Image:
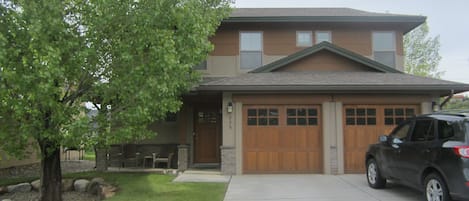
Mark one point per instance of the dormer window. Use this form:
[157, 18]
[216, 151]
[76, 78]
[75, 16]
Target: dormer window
[384, 47]
[323, 36]
[250, 54]
[304, 38]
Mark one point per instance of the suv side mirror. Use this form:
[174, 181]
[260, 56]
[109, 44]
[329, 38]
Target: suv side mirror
[383, 138]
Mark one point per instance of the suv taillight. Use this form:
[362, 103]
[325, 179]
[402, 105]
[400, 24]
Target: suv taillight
[462, 151]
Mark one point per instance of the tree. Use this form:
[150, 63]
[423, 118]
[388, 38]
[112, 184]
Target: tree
[422, 53]
[130, 58]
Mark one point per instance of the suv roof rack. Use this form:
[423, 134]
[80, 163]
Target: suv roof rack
[455, 112]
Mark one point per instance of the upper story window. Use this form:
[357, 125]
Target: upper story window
[250, 50]
[384, 48]
[323, 36]
[304, 38]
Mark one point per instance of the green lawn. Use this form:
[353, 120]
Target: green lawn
[89, 155]
[146, 187]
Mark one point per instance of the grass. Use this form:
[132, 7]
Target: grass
[89, 155]
[154, 187]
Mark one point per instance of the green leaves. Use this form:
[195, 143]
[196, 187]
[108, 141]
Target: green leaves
[422, 53]
[135, 56]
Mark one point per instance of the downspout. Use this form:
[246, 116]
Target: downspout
[447, 99]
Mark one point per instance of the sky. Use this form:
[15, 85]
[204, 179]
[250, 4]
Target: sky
[448, 19]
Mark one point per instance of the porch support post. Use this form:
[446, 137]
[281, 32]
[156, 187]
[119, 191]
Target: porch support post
[183, 157]
[228, 148]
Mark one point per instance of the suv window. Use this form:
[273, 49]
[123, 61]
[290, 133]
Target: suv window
[402, 131]
[453, 130]
[423, 131]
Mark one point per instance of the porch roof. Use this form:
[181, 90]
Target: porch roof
[338, 82]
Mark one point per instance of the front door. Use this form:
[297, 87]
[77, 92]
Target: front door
[207, 134]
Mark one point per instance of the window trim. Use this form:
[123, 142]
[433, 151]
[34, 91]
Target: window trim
[322, 31]
[240, 50]
[310, 38]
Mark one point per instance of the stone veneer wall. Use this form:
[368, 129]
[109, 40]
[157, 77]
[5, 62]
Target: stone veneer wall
[183, 157]
[228, 160]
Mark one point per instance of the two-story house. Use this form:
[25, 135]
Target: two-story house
[300, 90]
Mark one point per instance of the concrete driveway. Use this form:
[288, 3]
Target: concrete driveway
[313, 187]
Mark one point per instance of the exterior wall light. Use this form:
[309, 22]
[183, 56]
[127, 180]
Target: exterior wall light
[229, 108]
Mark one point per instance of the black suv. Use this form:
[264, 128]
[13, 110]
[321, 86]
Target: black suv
[428, 152]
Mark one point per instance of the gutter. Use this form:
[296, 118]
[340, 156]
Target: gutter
[447, 99]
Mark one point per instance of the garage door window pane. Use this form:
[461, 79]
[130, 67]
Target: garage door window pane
[350, 112]
[302, 121]
[262, 121]
[291, 112]
[350, 121]
[301, 112]
[388, 112]
[273, 121]
[361, 121]
[273, 112]
[409, 112]
[312, 112]
[371, 121]
[389, 121]
[252, 121]
[312, 121]
[263, 112]
[399, 111]
[252, 112]
[291, 121]
[371, 112]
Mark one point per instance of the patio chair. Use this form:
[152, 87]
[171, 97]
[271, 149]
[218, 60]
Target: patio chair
[130, 155]
[160, 158]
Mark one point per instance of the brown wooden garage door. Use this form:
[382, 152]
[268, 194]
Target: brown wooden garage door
[282, 139]
[363, 124]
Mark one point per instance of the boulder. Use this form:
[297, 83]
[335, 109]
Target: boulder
[93, 187]
[36, 184]
[22, 187]
[80, 185]
[3, 190]
[67, 185]
[6, 200]
[98, 179]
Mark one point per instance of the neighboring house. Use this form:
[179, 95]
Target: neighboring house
[299, 90]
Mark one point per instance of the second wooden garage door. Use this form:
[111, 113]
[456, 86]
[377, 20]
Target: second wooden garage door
[282, 139]
[363, 124]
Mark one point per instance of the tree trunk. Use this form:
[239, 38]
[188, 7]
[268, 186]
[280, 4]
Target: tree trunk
[101, 159]
[51, 175]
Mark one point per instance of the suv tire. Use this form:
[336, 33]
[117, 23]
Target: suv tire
[373, 175]
[435, 188]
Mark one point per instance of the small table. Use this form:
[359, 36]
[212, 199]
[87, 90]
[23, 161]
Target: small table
[145, 158]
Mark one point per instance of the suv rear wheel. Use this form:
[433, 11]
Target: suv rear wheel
[435, 188]
[373, 175]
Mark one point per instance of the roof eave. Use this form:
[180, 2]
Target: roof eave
[340, 88]
[381, 19]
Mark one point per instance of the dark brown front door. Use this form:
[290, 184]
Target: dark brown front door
[207, 134]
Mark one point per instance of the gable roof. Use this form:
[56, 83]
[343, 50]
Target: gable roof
[408, 22]
[333, 82]
[328, 47]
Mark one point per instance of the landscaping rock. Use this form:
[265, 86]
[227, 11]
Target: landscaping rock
[67, 185]
[3, 190]
[36, 184]
[98, 179]
[93, 188]
[107, 191]
[22, 187]
[80, 185]
[6, 200]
